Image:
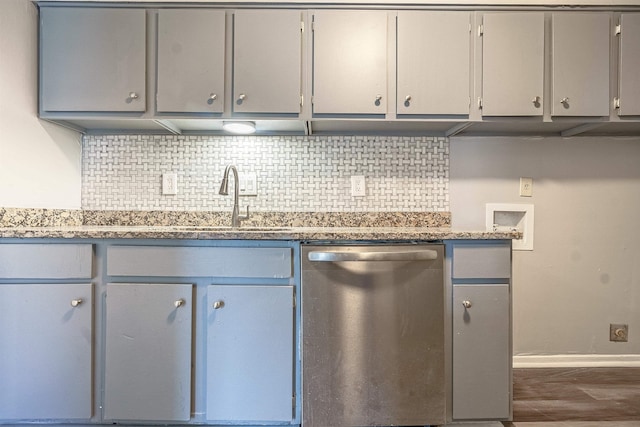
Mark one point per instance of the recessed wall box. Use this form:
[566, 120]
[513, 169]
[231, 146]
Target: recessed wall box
[512, 217]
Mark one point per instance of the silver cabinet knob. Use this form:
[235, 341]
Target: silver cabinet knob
[536, 100]
[466, 304]
[407, 98]
[179, 303]
[378, 98]
[213, 96]
[564, 101]
[218, 304]
[242, 97]
[133, 95]
[76, 302]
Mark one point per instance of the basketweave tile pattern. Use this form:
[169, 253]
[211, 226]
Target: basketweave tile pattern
[294, 173]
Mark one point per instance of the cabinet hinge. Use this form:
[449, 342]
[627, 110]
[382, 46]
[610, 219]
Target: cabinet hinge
[618, 29]
[301, 100]
[480, 103]
[302, 26]
[313, 26]
[616, 103]
[480, 30]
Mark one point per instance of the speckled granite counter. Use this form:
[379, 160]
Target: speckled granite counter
[304, 226]
[252, 233]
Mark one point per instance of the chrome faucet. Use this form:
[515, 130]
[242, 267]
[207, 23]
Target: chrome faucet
[224, 190]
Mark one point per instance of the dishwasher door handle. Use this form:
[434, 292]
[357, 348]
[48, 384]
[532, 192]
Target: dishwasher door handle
[344, 256]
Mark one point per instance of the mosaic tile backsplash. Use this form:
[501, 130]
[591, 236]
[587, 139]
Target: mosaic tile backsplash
[294, 173]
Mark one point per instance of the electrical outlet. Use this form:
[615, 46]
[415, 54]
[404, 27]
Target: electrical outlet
[526, 187]
[358, 188]
[169, 183]
[618, 332]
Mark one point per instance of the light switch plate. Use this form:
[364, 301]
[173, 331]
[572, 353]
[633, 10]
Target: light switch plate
[248, 184]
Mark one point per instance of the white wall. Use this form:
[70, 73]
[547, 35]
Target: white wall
[39, 162]
[584, 271]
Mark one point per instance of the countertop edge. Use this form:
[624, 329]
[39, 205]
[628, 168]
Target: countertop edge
[288, 233]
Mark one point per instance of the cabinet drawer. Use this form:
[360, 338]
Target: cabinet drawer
[481, 262]
[199, 261]
[46, 261]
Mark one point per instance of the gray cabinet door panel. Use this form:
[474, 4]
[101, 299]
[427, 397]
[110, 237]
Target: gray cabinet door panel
[191, 61]
[481, 352]
[513, 64]
[630, 64]
[46, 342]
[250, 353]
[46, 261]
[92, 59]
[267, 61]
[148, 352]
[580, 64]
[433, 62]
[350, 62]
[481, 261]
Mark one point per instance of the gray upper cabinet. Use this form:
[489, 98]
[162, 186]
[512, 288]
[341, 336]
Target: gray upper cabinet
[433, 62]
[148, 345]
[350, 62]
[92, 60]
[267, 60]
[580, 64]
[46, 333]
[513, 64]
[250, 350]
[629, 83]
[190, 67]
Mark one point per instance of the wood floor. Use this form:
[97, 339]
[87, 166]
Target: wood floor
[573, 397]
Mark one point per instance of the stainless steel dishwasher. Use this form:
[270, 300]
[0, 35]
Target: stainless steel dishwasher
[373, 335]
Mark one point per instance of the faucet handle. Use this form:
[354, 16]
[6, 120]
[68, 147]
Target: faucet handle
[244, 217]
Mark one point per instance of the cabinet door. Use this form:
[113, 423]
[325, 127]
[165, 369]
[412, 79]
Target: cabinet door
[629, 89]
[512, 64]
[481, 352]
[148, 352]
[433, 62]
[266, 61]
[191, 61]
[350, 62]
[250, 353]
[92, 59]
[580, 64]
[45, 358]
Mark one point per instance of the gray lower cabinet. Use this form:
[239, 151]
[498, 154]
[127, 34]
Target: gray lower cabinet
[148, 352]
[92, 59]
[46, 366]
[267, 61]
[433, 62]
[481, 330]
[512, 64]
[629, 63]
[350, 62]
[481, 352]
[250, 354]
[580, 64]
[190, 61]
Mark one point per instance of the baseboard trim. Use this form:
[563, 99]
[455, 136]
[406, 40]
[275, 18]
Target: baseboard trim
[577, 361]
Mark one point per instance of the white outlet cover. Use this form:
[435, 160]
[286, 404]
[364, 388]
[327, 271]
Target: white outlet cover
[169, 183]
[358, 186]
[512, 217]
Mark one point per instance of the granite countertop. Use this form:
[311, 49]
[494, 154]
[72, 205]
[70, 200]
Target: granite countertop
[251, 233]
[304, 226]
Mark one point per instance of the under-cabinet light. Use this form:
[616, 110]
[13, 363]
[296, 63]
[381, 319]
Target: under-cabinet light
[244, 128]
